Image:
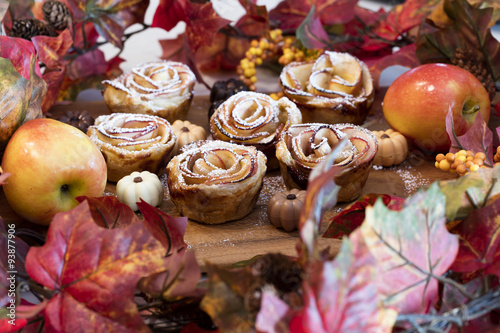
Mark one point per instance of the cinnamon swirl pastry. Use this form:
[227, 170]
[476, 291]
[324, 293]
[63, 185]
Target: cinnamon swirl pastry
[216, 181]
[303, 146]
[255, 119]
[336, 88]
[132, 142]
[163, 88]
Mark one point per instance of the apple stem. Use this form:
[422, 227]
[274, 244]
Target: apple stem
[65, 188]
[472, 110]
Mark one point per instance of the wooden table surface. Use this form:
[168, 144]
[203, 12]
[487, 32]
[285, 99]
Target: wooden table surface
[253, 235]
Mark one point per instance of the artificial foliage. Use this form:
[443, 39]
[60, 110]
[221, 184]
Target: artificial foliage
[426, 263]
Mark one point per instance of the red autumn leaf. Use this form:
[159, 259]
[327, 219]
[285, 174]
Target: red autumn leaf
[92, 63]
[411, 247]
[255, 21]
[20, 52]
[403, 17]
[478, 138]
[179, 278]
[290, 13]
[110, 17]
[87, 39]
[311, 33]
[406, 57]
[93, 272]
[12, 326]
[108, 212]
[342, 295]
[353, 216]
[51, 52]
[203, 24]
[168, 14]
[479, 241]
[167, 229]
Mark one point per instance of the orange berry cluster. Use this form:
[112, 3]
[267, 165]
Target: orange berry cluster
[271, 47]
[461, 162]
[496, 158]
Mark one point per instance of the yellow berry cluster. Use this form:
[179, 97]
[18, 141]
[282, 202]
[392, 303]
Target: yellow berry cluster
[271, 47]
[260, 50]
[277, 95]
[461, 162]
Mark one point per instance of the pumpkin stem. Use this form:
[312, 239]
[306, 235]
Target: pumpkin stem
[185, 129]
[291, 196]
[137, 179]
[384, 136]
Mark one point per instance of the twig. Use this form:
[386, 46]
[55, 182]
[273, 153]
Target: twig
[476, 308]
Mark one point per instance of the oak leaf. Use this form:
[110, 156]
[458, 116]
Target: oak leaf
[93, 272]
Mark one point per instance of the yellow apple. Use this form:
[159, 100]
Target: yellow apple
[51, 163]
[417, 102]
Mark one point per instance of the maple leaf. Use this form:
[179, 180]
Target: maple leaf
[469, 28]
[411, 247]
[108, 212]
[465, 194]
[479, 241]
[110, 17]
[353, 215]
[51, 52]
[224, 299]
[21, 53]
[165, 228]
[168, 14]
[93, 272]
[202, 25]
[254, 22]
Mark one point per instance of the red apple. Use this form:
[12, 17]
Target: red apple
[51, 163]
[417, 102]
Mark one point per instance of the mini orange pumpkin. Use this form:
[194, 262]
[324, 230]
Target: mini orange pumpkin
[284, 209]
[392, 148]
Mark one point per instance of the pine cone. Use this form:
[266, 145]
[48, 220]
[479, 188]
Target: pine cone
[222, 90]
[56, 14]
[474, 63]
[280, 271]
[28, 27]
[79, 119]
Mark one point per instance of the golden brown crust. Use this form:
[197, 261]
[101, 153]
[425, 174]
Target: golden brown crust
[304, 146]
[254, 119]
[336, 88]
[132, 142]
[215, 181]
[163, 88]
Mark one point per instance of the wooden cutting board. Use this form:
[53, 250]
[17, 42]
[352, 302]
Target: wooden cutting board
[254, 235]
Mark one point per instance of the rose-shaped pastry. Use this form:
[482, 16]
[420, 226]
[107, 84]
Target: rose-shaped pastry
[132, 142]
[163, 88]
[255, 119]
[216, 181]
[336, 88]
[303, 146]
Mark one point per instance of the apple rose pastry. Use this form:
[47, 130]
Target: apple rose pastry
[163, 88]
[336, 88]
[216, 181]
[255, 119]
[303, 146]
[132, 142]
